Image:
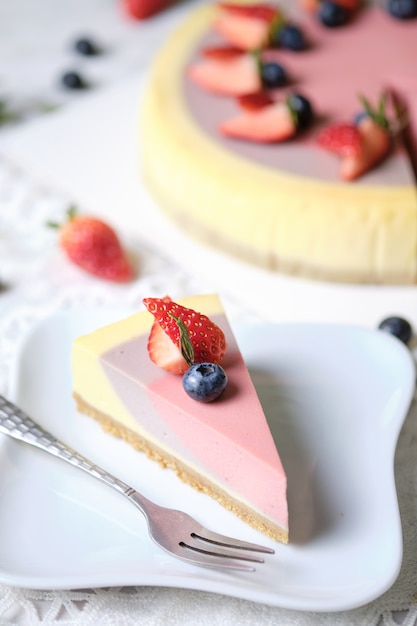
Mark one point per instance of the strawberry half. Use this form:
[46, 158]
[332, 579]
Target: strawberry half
[167, 346]
[361, 146]
[342, 139]
[376, 143]
[351, 5]
[227, 71]
[313, 5]
[274, 122]
[255, 101]
[95, 247]
[246, 26]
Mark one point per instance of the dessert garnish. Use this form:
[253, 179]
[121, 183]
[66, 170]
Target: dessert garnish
[256, 26]
[229, 71]
[265, 120]
[397, 326]
[403, 9]
[185, 342]
[94, 246]
[332, 13]
[362, 144]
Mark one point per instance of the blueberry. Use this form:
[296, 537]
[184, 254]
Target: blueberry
[85, 46]
[333, 14]
[301, 108]
[72, 80]
[397, 326]
[291, 37]
[204, 381]
[403, 9]
[273, 75]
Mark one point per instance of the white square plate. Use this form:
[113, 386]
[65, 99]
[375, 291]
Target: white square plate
[336, 398]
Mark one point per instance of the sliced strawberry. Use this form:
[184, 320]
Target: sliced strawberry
[232, 76]
[222, 53]
[266, 12]
[375, 147]
[310, 5]
[351, 5]
[342, 139]
[313, 5]
[164, 353]
[269, 124]
[208, 343]
[245, 26]
[255, 101]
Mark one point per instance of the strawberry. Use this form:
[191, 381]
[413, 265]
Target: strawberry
[362, 146]
[351, 5]
[246, 26]
[255, 101]
[313, 5]
[142, 9]
[222, 53]
[181, 336]
[342, 139]
[375, 146]
[94, 246]
[310, 5]
[265, 12]
[271, 123]
[227, 71]
[257, 26]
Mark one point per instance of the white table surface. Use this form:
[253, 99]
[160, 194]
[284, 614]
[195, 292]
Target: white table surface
[50, 159]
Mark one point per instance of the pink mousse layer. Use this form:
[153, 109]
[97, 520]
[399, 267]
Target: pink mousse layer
[224, 438]
[373, 53]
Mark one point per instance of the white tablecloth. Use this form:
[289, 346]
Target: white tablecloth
[36, 281]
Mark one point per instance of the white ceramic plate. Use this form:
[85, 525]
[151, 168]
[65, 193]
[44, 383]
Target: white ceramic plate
[336, 398]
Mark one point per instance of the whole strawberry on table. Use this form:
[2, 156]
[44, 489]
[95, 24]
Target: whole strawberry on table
[94, 246]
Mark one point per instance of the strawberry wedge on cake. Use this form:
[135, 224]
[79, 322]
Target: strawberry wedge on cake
[171, 381]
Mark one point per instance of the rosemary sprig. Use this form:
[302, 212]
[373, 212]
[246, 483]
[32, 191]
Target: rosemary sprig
[186, 345]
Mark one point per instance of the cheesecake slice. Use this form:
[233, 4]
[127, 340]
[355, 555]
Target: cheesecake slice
[223, 448]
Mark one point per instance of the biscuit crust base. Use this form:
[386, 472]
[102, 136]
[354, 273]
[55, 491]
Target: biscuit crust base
[183, 472]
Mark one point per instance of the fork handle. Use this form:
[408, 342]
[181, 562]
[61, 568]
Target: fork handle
[17, 424]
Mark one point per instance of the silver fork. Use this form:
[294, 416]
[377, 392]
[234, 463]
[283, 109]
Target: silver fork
[174, 531]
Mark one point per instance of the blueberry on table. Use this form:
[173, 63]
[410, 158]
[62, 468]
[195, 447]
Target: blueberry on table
[72, 80]
[204, 381]
[403, 9]
[397, 326]
[273, 75]
[332, 14]
[85, 46]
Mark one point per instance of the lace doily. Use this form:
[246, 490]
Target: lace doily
[36, 281]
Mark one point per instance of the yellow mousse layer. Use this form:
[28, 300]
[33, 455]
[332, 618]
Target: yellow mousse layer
[224, 448]
[281, 221]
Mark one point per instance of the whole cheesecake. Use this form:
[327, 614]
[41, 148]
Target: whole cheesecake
[223, 448]
[283, 205]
